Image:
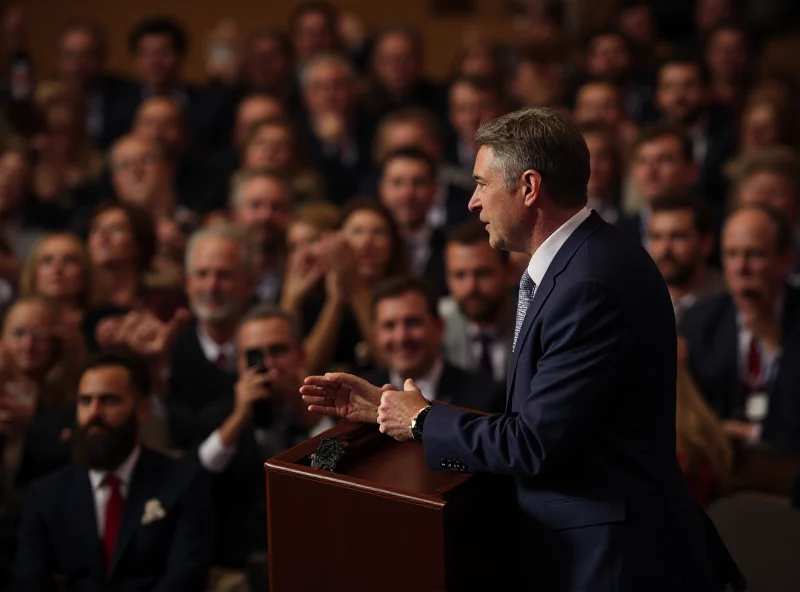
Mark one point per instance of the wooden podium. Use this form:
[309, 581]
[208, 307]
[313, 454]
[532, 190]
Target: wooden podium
[383, 521]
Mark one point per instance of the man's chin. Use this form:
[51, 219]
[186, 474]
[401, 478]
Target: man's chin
[205, 315]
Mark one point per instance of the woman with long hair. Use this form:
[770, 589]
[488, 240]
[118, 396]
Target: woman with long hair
[704, 451]
[331, 277]
[66, 157]
[59, 268]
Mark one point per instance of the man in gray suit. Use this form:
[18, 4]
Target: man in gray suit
[479, 314]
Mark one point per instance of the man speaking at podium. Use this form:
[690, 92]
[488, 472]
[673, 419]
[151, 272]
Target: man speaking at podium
[589, 428]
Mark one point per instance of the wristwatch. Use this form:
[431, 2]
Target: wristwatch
[418, 423]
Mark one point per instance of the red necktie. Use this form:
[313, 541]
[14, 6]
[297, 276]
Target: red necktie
[113, 518]
[754, 366]
[222, 361]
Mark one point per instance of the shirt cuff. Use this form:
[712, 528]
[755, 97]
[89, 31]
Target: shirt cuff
[755, 438]
[214, 455]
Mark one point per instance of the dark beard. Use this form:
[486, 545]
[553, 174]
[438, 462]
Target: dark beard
[481, 310]
[105, 450]
[681, 275]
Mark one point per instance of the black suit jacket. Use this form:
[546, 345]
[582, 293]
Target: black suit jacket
[712, 337]
[239, 492]
[194, 383]
[435, 269]
[341, 180]
[164, 542]
[45, 450]
[119, 97]
[458, 387]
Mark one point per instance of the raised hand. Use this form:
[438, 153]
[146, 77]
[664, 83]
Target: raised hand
[344, 396]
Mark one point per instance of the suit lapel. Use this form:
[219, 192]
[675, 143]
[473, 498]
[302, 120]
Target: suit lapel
[139, 492]
[591, 225]
[84, 521]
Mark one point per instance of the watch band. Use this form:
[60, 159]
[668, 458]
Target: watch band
[418, 423]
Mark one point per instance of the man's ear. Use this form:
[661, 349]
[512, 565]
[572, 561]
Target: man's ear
[531, 184]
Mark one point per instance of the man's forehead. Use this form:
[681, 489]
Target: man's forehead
[264, 332]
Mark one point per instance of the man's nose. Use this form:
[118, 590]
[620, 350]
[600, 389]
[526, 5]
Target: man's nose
[474, 204]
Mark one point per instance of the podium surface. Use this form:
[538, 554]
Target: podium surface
[382, 521]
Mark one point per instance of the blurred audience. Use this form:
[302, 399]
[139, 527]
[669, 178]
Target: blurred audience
[113, 476]
[261, 416]
[408, 333]
[680, 239]
[312, 165]
[480, 313]
[741, 343]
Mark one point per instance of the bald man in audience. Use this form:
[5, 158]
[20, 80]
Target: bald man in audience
[743, 345]
[771, 176]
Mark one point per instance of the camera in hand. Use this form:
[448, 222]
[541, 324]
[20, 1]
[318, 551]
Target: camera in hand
[255, 359]
[262, 410]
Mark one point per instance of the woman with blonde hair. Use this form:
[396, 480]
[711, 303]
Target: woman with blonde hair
[59, 268]
[40, 357]
[704, 451]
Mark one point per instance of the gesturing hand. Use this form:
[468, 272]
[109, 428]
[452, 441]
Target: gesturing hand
[398, 409]
[342, 395]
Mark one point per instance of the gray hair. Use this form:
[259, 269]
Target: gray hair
[544, 140]
[241, 178]
[265, 312]
[325, 59]
[228, 232]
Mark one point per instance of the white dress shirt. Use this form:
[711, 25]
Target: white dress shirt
[419, 248]
[211, 350]
[757, 404]
[214, 455]
[428, 383]
[124, 473]
[545, 254]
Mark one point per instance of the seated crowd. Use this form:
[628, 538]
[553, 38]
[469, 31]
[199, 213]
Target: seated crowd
[309, 202]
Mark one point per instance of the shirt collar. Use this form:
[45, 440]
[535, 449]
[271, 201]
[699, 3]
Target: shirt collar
[545, 254]
[211, 349]
[124, 472]
[474, 331]
[428, 383]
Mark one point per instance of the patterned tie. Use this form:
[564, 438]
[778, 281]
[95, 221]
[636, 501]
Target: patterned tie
[526, 289]
[114, 508]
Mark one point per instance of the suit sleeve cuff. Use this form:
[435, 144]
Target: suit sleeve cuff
[439, 437]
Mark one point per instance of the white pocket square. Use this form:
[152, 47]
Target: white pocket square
[153, 510]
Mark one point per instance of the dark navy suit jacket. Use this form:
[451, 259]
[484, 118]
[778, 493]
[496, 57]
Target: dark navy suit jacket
[59, 539]
[589, 431]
